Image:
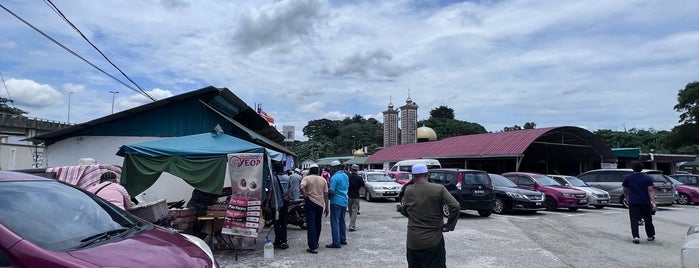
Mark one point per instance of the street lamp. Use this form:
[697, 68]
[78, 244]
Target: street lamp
[354, 145]
[113, 94]
[69, 95]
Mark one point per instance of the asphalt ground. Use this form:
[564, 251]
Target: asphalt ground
[585, 238]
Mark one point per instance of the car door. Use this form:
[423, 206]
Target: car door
[526, 182]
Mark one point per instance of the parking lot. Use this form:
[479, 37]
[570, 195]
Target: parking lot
[585, 238]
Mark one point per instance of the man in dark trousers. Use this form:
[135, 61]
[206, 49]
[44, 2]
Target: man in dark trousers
[640, 195]
[355, 183]
[423, 204]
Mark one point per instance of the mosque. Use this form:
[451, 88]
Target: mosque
[408, 131]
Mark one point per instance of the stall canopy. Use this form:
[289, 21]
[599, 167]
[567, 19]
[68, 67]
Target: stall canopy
[199, 159]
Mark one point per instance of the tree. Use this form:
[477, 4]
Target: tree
[4, 108]
[443, 112]
[321, 127]
[446, 128]
[687, 103]
[527, 125]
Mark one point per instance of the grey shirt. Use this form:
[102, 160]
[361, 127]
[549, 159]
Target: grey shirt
[294, 184]
[423, 205]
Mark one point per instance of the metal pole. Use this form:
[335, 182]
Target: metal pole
[69, 95]
[113, 94]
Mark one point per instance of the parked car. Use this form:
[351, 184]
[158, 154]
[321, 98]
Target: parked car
[557, 196]
[401, 177]
[379, 185]
[689, 254]
[610, 180]
[47, 223]
[472, 188]
[595, 196]
[686, 194]
[407, 165]
[509, 197]
[687, 179]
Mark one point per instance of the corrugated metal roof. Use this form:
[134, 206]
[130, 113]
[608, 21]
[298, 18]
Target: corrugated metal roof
[508, 143]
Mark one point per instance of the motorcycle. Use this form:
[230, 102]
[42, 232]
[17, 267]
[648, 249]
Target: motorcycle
[296, 214]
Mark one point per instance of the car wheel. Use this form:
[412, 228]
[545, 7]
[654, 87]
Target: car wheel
[550, 203]
[368, 196]
[485, 213]
[599, 206]
[499, 206]
[683, 199]
[573, 209]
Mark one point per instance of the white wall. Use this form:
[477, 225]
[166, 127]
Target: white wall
[17, 156]
[103, 149]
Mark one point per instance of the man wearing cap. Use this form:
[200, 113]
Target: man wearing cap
[423, 204]
[315, 191]
[294, 184]
[339, 184]
[355, 183]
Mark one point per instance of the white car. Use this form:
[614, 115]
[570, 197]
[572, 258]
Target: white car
[690, 248]
[378, 185]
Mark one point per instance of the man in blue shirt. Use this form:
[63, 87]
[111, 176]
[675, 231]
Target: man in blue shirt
[281, 188]
[640, 195]
[339, 184]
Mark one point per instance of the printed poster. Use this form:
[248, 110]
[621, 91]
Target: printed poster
[243, 217]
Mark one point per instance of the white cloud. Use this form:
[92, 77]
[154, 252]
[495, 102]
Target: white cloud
[75, 88]
[134, 100]
[312, 107]
[335, 115]
[32, 94]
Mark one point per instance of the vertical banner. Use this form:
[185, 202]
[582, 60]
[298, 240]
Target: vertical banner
[243, 217]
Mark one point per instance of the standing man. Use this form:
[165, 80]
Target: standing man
[423, 204]
[294, 184]
[281, 185]
[355, 183]
[339, 184]
[640, 195]
[315, 192]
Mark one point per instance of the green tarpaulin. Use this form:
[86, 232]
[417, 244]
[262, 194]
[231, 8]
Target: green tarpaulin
[200, 160]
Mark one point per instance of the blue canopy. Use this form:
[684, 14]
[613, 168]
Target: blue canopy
[205, 145]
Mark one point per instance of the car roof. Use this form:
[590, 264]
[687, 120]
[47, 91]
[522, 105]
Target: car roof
[456, 170]
[625, 170]
[18, 176]
[522, 173]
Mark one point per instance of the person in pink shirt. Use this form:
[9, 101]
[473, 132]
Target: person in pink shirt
[108, 189]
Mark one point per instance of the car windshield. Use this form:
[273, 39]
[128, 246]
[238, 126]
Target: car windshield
[55, 216]
[501, 181]
[576, 182]
[378, 178]
[674, 181]
[402, 176]
[546, 180]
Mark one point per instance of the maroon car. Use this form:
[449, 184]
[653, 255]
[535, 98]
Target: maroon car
[686, 194]
[46, 223]
[557, 195]
[401, 177]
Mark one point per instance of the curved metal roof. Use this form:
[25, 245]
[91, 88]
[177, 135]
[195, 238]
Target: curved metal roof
[499, 144]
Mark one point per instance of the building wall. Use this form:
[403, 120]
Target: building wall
[390, 127]
[18, 156]
[408, 124]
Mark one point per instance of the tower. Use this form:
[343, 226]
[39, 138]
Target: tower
[390, 126]
[408, 121]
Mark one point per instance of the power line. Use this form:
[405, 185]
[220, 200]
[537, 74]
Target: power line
[60, 14]
[9, 98]
[72, 52]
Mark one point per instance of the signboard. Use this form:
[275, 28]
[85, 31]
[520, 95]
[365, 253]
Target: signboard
[608, 165]
[243, 217]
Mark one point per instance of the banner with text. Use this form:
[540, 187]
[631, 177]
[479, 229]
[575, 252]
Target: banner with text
[244, 209]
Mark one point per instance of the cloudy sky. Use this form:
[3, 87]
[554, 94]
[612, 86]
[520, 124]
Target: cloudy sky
[596, 64]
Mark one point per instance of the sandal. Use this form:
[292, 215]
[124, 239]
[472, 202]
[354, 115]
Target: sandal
[635, 240]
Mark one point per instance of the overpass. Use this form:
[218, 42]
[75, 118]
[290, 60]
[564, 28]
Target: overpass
[18, 125]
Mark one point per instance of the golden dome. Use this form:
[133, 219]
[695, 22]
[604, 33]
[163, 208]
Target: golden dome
[358, 152]
[424, 132]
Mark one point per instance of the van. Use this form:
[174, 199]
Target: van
[407, 165]
[610, 180]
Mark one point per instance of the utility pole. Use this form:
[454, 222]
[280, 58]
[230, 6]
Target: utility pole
[113, 94]
[69, 95]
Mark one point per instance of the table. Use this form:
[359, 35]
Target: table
[214, 232]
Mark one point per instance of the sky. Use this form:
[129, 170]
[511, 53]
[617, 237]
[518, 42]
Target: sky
[595, 64]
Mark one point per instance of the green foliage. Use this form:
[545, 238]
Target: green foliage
[684, 139]
[446, 128]
[646, 140]
[332, 137]
[442, 112]
[527, 125]
[687, 103]
[4, 108]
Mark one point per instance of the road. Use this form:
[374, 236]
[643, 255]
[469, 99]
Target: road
[585, 238]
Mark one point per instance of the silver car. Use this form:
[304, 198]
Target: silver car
[378, 185]
[610, 180]
[596, 197]
[690, 249]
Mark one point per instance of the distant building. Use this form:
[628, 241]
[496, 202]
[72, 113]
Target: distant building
[288, 132]
[390, 126]
[408, 122]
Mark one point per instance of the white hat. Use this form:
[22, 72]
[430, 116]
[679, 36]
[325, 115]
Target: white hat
[419, 169]
[355, 167]
[313, 166]
[334, 163]
[297, 169]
